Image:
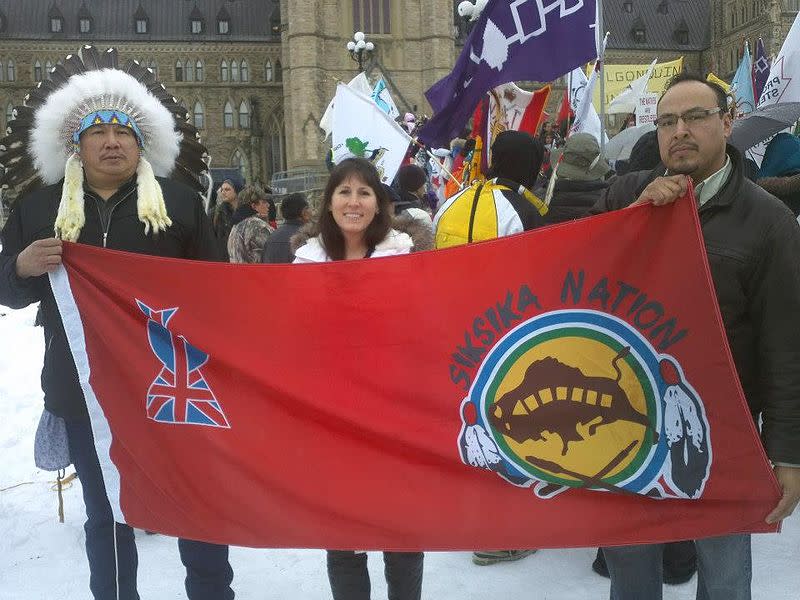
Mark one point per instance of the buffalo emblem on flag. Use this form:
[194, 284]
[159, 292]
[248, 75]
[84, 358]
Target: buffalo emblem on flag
[180, 393]
[580, 399]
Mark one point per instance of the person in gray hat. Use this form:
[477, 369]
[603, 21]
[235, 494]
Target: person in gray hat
[580, 178]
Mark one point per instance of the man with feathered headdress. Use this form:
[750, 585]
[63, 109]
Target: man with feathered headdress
[92, 148]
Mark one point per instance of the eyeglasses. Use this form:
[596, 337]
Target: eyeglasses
[689, 118]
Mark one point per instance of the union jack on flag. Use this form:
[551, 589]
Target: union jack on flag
[180, 393]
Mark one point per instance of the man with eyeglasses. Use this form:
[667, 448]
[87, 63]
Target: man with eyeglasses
[753, 245]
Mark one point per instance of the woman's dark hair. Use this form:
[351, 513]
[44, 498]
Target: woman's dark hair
[377, 230]
[273, 210]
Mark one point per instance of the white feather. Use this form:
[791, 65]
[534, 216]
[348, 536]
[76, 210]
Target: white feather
[481, 449]
[71, 216]
[672, 416]
[150, 199]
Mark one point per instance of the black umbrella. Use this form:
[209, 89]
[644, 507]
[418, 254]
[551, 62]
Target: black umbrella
[763, 123]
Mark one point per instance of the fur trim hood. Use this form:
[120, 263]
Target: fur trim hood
[420, 235]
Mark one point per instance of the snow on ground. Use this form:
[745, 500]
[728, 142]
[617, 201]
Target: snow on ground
[41, 558]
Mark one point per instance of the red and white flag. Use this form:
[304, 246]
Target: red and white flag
[493, 395]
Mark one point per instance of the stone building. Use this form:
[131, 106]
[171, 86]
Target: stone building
[734, 21]
[221, 58]
[642, 30]
[257, 75]
[414, 47]
[709, 34]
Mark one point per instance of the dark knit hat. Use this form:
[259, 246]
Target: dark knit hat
[517, 156]
[411, 177]
[645, 155]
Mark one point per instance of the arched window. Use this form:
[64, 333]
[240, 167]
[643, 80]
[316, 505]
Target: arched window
[9, 113]
[277, 144]
[244, 115]
[227, 120]
[245, 71]
[198, 116]
[48, 66]
[11, 71]
[223, 70]
[188, 71]
[278, 71]
[268, 70]
[198, 70]
[234, 70]
[240, 162]
[178, 71]
[37, 71]
[152, 66]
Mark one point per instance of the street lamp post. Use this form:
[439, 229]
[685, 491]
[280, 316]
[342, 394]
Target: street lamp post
[360, 49]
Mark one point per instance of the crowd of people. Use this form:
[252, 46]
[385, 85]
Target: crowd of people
[752, 237]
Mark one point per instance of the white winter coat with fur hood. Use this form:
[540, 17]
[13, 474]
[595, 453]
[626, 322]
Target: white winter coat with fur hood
[407, 236]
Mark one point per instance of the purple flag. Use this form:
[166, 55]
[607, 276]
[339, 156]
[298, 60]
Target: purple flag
[513, 40]
[761, 68]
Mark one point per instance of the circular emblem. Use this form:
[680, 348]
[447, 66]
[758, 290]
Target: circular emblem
[573, 399]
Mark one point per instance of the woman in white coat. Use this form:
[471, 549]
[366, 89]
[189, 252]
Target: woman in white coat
[356, 222]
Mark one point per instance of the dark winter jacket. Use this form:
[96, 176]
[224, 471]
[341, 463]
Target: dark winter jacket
[404, 201]
[277, 250]
[573, 199]
[753, 245]
[33, 218]
[221, 223]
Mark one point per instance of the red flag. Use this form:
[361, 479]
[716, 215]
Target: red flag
[565, 111]
[417, 402]
[532, 117]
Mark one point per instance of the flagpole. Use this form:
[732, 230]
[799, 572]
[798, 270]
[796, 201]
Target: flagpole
[430, 155]
[602, 52]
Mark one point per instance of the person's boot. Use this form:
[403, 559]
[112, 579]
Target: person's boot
[680, 562]
[490, 557]
[599, 565]
[679, 566]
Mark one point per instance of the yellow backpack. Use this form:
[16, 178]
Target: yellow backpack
[479, 212]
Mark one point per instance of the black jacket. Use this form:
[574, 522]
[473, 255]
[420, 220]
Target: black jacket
[277, 249]
[221, 225]
[573, 199]
[753, 246]
[32, 218]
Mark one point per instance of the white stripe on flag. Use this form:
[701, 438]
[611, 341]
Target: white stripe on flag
[73, 326]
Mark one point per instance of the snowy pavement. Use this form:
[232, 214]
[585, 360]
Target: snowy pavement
[41, 558]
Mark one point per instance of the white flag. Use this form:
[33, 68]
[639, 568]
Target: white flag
[362, 129]
[783, 84]
[580, 98]
[384, 100]
[628, 99]
[359, 83]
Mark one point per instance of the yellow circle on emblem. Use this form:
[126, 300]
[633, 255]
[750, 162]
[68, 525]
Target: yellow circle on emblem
[573, 408]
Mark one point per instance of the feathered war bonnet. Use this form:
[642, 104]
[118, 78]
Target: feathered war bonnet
[42, 142]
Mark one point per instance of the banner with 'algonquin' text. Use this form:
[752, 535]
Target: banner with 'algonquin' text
[565, 387]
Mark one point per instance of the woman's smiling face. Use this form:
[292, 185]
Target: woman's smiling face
[353, 205]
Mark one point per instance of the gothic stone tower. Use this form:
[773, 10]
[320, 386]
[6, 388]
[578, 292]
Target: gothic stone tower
[414, 47]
